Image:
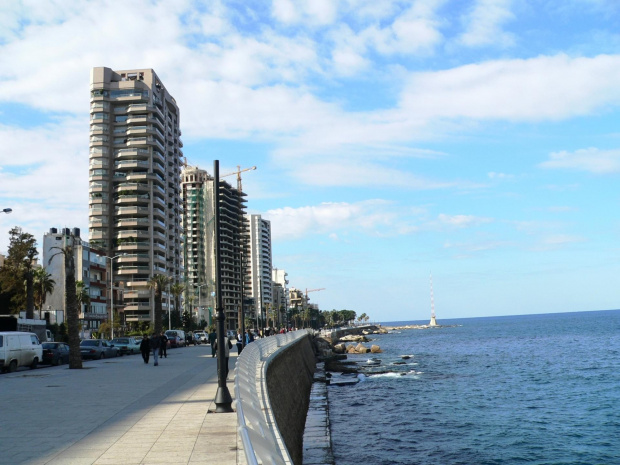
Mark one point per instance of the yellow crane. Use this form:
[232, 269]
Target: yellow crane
[238, 173]
[313, 290]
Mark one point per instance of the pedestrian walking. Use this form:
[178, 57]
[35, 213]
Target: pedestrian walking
[164, 345]
[239, 341]
[145, 348]
[227, 346]
[155, 344]
[249, 337]
[212, 339]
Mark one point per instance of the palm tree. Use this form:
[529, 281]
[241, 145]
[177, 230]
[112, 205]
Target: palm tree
[43, 284]
[177, 290]
[82, 294]
[158, 282]
[71, 303]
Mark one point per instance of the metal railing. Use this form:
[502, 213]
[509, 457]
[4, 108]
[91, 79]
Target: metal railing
[257, 428]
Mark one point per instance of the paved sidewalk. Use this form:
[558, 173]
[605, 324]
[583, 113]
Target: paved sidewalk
[118, 411]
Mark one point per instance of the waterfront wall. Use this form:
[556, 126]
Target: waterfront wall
[289, 381]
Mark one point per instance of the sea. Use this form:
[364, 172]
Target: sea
[531, 389]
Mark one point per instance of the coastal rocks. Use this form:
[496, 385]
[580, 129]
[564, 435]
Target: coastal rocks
[361, 349]
[375, 349]
[340, 348]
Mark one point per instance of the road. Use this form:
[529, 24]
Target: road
[118, 411]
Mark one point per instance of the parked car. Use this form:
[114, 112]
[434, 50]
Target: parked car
[97, 349]
[18, 349]
[201, 336]
[55, 353]
[126, 345]
[176, 337]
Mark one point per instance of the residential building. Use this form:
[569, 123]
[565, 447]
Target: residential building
[281, 298]
[199, 250]
[135, 168]
[90, 268]
[260, 263]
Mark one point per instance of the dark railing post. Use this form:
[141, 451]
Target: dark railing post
[223, 400]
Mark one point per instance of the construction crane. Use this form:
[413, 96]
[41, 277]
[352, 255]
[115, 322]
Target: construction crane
[238, 173]
[313, 290]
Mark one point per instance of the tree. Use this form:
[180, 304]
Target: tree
[18, 267]
[82, 294]
[158, 282]
[43, 285]
[177, 290]
[71, 302]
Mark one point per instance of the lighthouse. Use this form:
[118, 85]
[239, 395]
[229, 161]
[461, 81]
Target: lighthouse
[433, 320]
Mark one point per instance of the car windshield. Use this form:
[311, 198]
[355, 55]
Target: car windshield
[171, 333]
[89, 343]
[47, 345]
[121, 341]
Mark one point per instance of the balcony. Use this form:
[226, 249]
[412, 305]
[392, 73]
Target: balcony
[132, 222]
[131, 164]
[129, 270]
[133, 199]
[132, 152]
[132, 246]
[132, 258]
[132, 187]
[133, 233]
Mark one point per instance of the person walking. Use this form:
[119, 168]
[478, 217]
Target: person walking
[227, 347]
[164, 345]
[145, 348]
[212, 340]
[155, 345]
[239, 341]
[249, 337]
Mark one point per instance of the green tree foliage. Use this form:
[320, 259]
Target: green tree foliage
[43, 285]
[177, 290]
[18, 268]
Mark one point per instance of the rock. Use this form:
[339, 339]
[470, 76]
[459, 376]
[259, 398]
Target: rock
[375, 349]
[351, 349]
[340, 348]
[361, 349]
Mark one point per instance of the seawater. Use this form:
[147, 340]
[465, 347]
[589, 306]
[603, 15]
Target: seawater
[532, 389]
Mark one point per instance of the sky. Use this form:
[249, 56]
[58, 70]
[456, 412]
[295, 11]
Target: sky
[477, 140]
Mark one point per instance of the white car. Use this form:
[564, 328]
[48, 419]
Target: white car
[202, 336]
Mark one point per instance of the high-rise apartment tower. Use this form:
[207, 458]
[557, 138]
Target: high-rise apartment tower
[135, 168]
[199, 247]
[261, 264]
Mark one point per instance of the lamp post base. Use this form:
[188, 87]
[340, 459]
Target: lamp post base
[223, 400]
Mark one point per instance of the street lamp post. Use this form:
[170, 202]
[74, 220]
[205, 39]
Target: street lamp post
[223, 399]
[112, 293]
[201, 285]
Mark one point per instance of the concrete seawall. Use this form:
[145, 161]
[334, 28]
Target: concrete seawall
[289, 381]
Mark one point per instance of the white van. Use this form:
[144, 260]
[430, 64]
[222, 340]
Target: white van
[18, 349]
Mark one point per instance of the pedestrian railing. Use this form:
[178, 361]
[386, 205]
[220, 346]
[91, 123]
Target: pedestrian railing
[257, 428]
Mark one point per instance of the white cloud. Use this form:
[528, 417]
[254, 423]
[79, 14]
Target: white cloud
[591, 160]
[537, 89]
[484, 24]
[315, 12]
[461, 221]
[372, 216]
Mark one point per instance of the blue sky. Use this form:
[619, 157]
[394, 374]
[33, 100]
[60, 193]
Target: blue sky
[475, 139]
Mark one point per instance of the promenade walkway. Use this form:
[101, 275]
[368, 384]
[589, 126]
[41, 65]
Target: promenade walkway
[119, 412]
